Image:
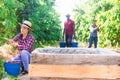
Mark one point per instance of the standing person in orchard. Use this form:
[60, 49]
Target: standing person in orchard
[23, 41]
[93, 34]
[69, 30]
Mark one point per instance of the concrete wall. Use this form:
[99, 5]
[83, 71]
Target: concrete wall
[75, 56]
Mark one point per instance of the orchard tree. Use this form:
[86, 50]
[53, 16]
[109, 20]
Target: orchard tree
[45, 22]
[107, 12]
[8, 18]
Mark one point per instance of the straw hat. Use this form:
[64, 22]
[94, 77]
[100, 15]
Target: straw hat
[26, 23]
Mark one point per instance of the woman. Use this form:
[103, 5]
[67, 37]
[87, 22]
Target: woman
[23, 41]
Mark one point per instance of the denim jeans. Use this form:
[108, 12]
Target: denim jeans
[24, 58]
[91, 39]
[69, 40]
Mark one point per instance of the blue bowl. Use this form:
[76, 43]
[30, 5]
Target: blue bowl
[62, 44]
[12, 68]
[74, 44]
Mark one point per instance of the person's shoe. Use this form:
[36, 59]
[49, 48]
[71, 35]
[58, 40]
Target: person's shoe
[23, 73]
[22, 69]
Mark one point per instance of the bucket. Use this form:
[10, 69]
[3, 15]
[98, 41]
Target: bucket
[62, 44]
[74, 44]
[12, 68]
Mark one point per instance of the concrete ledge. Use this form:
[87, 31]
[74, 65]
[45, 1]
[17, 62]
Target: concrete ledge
[74, 51]
[75, 56]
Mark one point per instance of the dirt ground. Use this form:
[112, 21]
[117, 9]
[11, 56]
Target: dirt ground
[24, 77]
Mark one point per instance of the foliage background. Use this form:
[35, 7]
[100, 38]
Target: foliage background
[45, 23]
[46, 27]
[107, 12]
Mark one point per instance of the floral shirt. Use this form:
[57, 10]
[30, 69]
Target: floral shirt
[24, 44]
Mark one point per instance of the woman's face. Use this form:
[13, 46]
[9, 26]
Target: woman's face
[24, 29]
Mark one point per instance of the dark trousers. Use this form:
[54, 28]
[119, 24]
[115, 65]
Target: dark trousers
[68, 40]
[91, 39]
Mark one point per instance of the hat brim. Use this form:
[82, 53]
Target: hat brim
[67, 15]
[24, 25]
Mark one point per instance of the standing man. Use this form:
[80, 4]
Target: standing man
[23, 41]
[69, 30]
[93, 34]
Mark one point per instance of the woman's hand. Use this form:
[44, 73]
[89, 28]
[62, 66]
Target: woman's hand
[12, 43]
